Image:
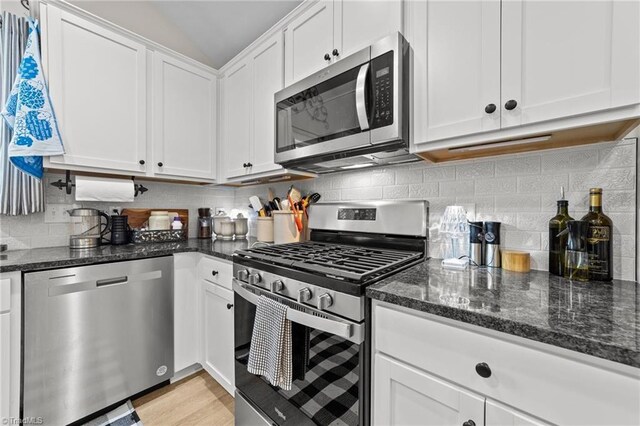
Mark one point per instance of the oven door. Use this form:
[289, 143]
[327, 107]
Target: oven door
[325, 113]
[328, 362]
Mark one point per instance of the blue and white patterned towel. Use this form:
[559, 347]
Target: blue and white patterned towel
[29, 113]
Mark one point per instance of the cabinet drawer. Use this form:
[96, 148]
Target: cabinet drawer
[555, 388]
[216, 271]
[5, 295]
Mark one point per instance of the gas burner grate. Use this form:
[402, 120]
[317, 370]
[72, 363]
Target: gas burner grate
[352, 263]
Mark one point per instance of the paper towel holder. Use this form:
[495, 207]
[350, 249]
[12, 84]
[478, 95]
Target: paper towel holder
[68, 185]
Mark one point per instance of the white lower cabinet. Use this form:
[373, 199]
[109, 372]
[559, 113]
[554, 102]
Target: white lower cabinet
[186, 315]
[425, 372]
[5, 366]
[405, 395]
[218, 334]
[10, 345]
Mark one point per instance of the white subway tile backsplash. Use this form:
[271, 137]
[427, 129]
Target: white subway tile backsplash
[472, 170]
[503, 185]
[518, 165]
[519, 190]
[542, 183]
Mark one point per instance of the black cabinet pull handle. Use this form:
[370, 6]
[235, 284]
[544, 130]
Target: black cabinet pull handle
[160, 164]
[141, 162]
[335, 52]
[511, 104]
[327, 57]
[490, 109]
[229, 305]
[469, 423]
[214, 273]
[483, 370]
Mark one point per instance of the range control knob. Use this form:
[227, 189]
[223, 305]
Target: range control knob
[324, 302]
[276, 286]
[253, 279]
[242, 275]
[304, 295]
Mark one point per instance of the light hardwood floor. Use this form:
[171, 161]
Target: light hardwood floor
[194, 400]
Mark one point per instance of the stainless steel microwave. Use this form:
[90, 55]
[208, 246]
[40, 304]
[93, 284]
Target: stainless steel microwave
[353, 113]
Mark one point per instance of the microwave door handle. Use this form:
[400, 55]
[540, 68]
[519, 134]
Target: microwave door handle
[361, 104]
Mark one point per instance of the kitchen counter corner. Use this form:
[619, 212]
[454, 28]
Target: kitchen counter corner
[595, 318]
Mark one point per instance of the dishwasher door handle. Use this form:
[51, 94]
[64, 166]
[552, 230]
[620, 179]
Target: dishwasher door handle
[111, 281]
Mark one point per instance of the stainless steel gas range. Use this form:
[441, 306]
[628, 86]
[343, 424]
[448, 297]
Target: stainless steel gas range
[323, 282]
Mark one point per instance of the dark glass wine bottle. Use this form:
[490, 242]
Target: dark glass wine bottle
[600, 239]
[558, 243]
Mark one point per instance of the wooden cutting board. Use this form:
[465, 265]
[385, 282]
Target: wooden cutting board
[137, 217]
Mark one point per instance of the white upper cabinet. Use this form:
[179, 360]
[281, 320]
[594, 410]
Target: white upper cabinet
[97, 84]
[564, 58]
[309, 41]
[249, 89]
[237, 99]
[331, 29]
[184, 125]
[268, 78]
[358, 24]
[460, 80]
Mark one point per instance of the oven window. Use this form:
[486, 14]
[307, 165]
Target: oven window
[323, 112]
[325, 385]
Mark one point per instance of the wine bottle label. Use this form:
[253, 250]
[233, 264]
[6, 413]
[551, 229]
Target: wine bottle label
[598, 234]
[598, 266]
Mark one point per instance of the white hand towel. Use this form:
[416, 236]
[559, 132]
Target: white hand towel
[270, 353]
[101, 189]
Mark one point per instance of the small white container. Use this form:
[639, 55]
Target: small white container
[159, 221]
[227, 229]
[284, 228]
[265, 230]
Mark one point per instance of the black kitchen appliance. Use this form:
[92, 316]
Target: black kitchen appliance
[323, 280]
[119, 229]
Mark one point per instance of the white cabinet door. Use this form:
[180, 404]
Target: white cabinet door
[238, 106]
[97, 83]
[308, 39]
[497, 414]
[403, 395]
[564, 58]
[218, 334]
[184, 119]
[186, 312]
[5, 367]
[360, 23]
[457, 69]
[268, 78]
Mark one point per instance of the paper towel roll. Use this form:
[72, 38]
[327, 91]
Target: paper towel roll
[101, 189]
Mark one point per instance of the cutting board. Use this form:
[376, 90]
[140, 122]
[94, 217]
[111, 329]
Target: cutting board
[137, 217]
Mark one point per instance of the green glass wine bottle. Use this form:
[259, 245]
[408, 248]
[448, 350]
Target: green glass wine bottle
[600, 239]
[557, 242]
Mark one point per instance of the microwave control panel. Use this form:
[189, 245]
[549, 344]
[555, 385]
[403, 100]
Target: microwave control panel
[382, 79]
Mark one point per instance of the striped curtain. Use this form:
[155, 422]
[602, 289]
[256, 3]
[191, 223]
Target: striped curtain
[20, 194]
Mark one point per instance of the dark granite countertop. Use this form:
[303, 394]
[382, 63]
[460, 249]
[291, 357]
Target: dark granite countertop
[58, 257]
[594, 318]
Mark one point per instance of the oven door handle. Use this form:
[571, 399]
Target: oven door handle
[361, 102]
[338, 328]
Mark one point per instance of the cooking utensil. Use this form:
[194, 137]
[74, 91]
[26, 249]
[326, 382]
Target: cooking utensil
[256, 205]
[295, 197]
[278, 203]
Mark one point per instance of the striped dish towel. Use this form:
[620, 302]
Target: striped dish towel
[270, 352]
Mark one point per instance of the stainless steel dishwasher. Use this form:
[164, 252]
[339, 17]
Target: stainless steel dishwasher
[95, 335]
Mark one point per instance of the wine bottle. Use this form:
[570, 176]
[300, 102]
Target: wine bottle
[557, 242]
[599, 239]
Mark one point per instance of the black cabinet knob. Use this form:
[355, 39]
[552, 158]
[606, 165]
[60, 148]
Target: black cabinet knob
[483, 370]
[141, 162]
[214, 273]
[244, 165]
[335, 52]
[511, 104]
[160, 164]
[327, 57]
[490, 109]
[229, 305]
[249, 165]
[469, 423]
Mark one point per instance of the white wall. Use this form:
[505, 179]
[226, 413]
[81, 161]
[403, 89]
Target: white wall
[12, 6]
